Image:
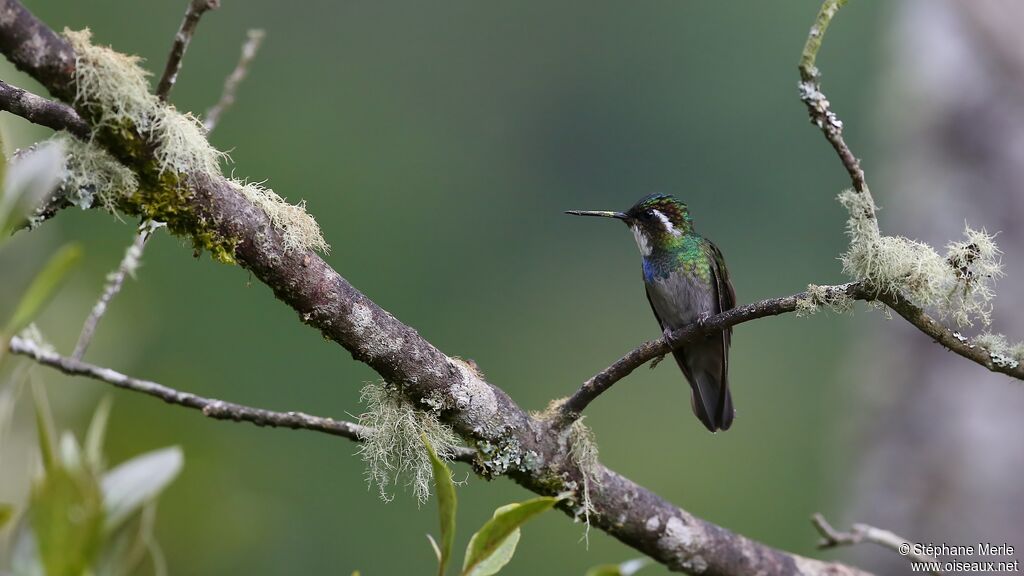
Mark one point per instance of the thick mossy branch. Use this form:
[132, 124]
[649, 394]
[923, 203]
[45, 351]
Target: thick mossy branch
[167, 149]
[394, 450]
[957, 286]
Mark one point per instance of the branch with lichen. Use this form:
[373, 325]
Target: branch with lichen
[906, 275]
[181, 183]
[198, 202]
[209, 407]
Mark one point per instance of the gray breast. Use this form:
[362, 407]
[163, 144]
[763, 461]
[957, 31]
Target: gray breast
[680, 298]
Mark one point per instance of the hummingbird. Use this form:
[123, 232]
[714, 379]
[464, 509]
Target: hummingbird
[686, 281]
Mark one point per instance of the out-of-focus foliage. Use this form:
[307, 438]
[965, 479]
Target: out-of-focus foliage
[627, 568]
[82, 518]
[79, 518]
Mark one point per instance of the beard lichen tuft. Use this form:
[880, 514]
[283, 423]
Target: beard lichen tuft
[114, 88]
[166, 148]
[394, 451]
[298, 228]
[584, 455]
[957, 286]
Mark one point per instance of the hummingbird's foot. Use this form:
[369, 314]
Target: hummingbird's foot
[666, 334]
[702, 319]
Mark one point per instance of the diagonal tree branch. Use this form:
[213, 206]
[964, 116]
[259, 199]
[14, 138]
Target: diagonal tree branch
[211, 408]
[527, 450]
[478, 410]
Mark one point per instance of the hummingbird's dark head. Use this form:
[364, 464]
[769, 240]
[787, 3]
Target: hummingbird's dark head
[657, 221]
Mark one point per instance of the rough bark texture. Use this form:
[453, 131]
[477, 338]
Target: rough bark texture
[533, 452]
[42, 111]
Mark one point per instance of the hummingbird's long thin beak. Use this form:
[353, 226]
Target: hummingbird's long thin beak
[601, 213]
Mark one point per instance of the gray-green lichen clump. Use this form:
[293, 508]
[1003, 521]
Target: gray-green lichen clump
[1002, 353]
[957, 285]
[165, 149]
[818, 297]
[92, 177]
[394, 451]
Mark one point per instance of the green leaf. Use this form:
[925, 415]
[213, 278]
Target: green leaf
[43, 287]
[128, 487]
[490, 540]
[96, 433]
[44, 426]
[6, 510]
[627, 568]
[499, 558]
[446, 506]
[67, 518]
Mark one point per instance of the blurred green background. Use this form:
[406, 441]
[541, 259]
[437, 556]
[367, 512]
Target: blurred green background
[438, 144]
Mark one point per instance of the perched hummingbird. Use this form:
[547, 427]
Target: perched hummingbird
[686, 282]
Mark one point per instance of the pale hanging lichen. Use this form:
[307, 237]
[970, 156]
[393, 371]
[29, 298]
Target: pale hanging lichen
[957, 286]
[584, 455]
[394, 451]
[298, 228]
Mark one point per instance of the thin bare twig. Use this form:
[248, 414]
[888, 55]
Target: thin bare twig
[571, 409]
[39, 110]
[832, 538]
[227, 97]
[211, 408]
[818, 105]
[194, 11]
[130, 262]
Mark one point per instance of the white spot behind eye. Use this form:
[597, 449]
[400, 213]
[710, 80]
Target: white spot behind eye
[666, 223]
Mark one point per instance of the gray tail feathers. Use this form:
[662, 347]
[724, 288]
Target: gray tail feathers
[711, 400]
